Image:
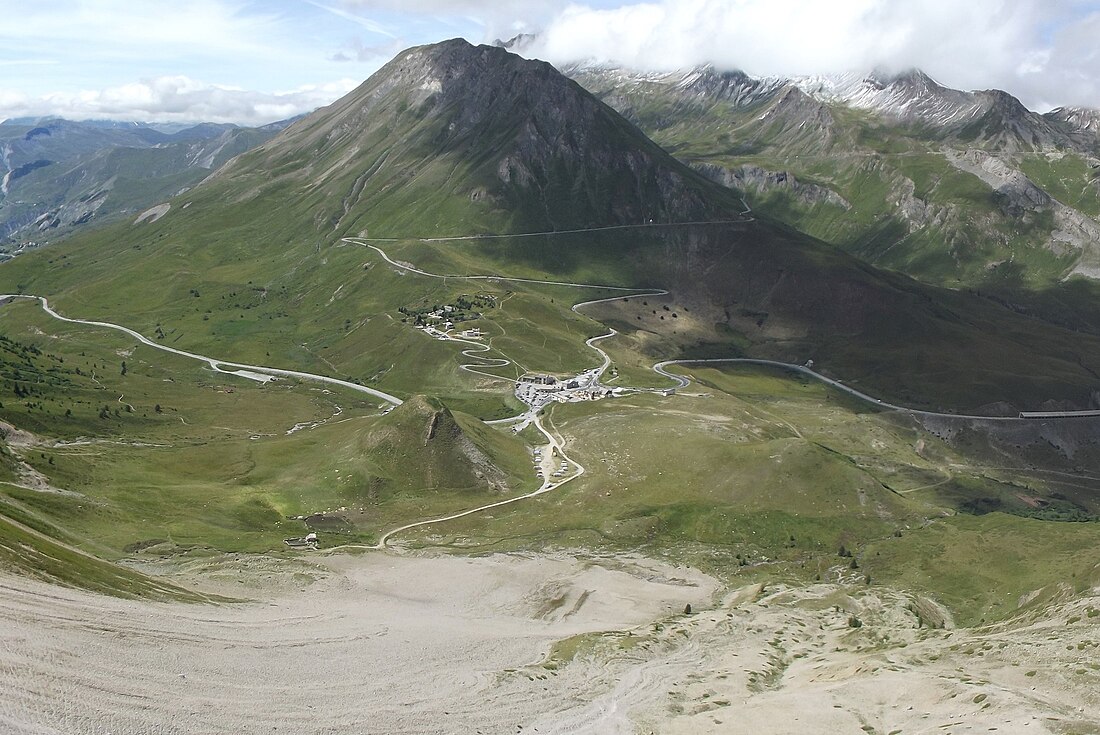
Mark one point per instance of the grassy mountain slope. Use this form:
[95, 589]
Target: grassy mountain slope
[169, 460]
[757, 475]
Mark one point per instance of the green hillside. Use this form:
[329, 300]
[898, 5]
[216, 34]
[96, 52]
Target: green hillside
[757, 475]
[165, 459]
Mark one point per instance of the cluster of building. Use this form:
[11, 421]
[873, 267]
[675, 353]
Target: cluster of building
[443, 318]
[537, 390]
[308, 541]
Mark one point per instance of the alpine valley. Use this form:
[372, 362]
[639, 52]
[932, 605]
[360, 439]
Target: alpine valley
[59, 175]
[492, 398]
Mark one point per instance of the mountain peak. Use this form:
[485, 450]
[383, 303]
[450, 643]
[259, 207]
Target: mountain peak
[1084, 119]
[913, 80]
[518, 42]
[910, 97]
[1004, 102]
[483, 131]
[457, 69]
[1006, 124]
[732, 86]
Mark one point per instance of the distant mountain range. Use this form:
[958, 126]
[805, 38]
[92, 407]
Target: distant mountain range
[57, 175]
[958, 188]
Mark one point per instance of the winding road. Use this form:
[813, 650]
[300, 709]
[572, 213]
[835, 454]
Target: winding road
[258, 373]
[683, 382]
[532, 415]
[746, 216]
[476, 352]
[413, 269]
[482, 347]
[263, 373]
[553, 444]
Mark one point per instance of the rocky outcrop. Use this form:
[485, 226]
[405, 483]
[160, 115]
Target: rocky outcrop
[1074, 233]
[1018, 191]
[762, 180]
[914, 211]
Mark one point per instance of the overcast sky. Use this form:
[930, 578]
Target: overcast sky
[256, 62]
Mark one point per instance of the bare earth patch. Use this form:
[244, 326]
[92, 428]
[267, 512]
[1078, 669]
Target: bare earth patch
[153, 213]
[380, 644]
[529, 643]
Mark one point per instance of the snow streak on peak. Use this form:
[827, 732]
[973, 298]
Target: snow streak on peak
[1081, 118]
[910, 97]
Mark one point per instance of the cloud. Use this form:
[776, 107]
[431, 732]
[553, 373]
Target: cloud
[494, 17]
[116, 28]
[1044, 51]
[358, 51]
[1067, 70]
[176, 99]
[370, 25]
[140, 61]
[1041, 50]
[53, 51]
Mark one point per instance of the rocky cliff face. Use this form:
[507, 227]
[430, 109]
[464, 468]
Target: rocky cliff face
[1019, 193]
[754, 178]
[1078, 118]
[1073, 234]
[989, 118]
[703, 96]
[732, 87]
[1084, 123]
[1007, 125]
